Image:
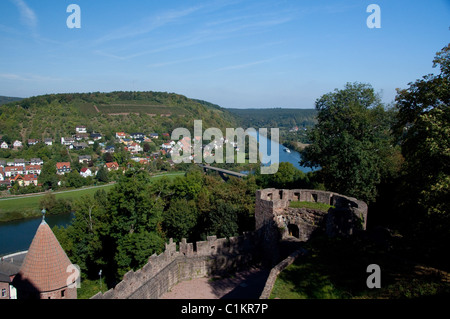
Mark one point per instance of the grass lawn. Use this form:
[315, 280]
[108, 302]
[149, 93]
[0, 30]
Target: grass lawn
[89, 288]
[312, 205]
[337, 269]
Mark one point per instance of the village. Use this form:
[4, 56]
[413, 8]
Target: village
[89, 153]
[137, 147]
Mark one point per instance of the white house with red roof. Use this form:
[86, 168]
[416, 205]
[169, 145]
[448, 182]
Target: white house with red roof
[121, 135]
[86, 172]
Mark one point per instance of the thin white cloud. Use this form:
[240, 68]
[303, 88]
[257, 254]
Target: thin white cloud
[148, 25]
[26, 77]
[168, 63]
[27, 15]
[250, 64]
[11, 76]
[244, 65]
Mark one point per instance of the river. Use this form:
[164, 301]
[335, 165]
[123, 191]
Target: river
[292, 156]
[17, 235]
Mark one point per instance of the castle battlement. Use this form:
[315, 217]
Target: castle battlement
[274, 220]
[190, 260]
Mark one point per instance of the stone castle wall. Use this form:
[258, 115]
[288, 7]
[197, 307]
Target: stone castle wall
[272, 208]
[273, 219]
[162, 272]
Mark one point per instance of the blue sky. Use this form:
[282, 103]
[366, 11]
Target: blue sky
[237, 53]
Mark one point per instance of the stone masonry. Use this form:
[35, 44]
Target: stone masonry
[274, 221]
[164, 271]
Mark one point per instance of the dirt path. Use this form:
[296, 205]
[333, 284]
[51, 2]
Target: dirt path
[246, 284]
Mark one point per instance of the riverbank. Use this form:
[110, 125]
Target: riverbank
[27, 206]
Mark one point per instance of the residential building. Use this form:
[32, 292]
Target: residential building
[85, 172]
[32, 141]
[18, 179]
[11, 171]
[30, 179]
[84, 158]
[135, 136]
[81, 129]
[109, 149]
[113, 166]
[4, 145]
[81, 136]
[19, 162]
[135, 148]
[48, 141]
[33, 169]
[153, 135]
[121, 135]
[17, 144]
[62, 168]
[36, 161]
[96, 136]
[67, 141]
[9, 267]
[79, 146]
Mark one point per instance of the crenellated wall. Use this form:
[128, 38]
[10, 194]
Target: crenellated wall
[164, 271]
[273, 217]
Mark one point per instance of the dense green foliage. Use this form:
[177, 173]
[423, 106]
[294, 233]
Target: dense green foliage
[8, 99]
[423, 131]
[57, 115]
[336, 269]
[276, 117]
[351, 142]
[118, 231]
[311, 205]
[283, 119]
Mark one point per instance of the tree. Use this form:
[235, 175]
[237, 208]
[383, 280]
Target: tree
[180, 219]
[102, 175]
[75, 180]
[287, 176]
[423, 130]
[55, 206]
[48, 177]
[223, 220]
[349, 141]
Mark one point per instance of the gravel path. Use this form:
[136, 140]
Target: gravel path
[246, 284]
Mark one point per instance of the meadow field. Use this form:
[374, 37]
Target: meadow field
[26, 206]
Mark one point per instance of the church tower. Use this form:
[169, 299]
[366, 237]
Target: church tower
[46, 272]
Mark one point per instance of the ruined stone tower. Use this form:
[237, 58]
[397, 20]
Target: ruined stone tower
[275, 220]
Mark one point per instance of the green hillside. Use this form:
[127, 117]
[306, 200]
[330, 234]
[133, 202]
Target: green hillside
[8, 99]
[275, 117]
[57, 115]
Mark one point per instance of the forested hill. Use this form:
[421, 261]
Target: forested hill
[275, 117]
[57, 115]
[8, 99]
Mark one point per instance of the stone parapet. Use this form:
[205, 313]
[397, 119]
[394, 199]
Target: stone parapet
[162, 272]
